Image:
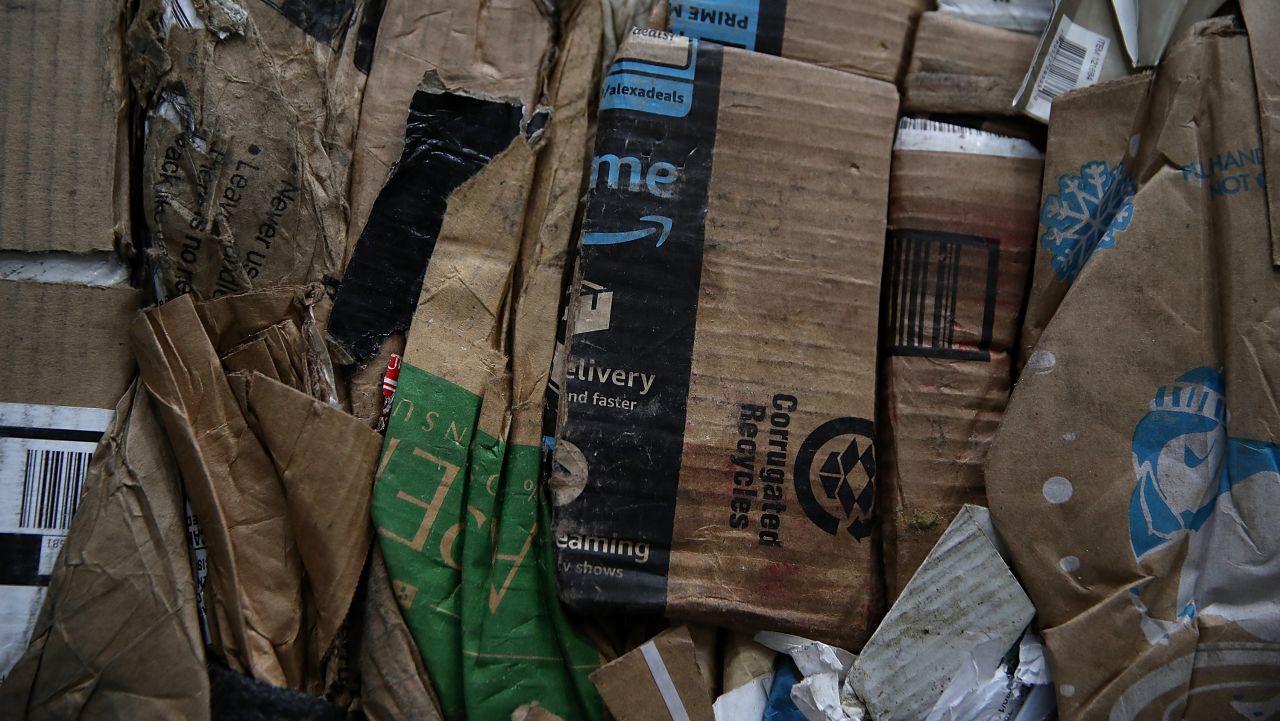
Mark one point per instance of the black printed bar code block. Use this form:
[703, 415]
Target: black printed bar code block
[942, 294]
[1062, 70]
[51, 485]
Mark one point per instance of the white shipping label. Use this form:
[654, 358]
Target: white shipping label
[1075, 60]
[922, 134]
[44, 457]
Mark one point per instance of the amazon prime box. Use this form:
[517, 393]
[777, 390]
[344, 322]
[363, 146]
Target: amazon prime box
[869, 37]
[715, 459]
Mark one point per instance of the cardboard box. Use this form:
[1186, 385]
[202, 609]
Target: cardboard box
[658, 681]
[1139, 458]
[717, 434]
[64, 365]
[958, 265]
[870, 37]
[64, 151]
[960, 66]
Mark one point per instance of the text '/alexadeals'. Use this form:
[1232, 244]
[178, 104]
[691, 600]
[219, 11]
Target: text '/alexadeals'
[619, 87]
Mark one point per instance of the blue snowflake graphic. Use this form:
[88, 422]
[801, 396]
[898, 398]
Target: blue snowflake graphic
[1086, 213]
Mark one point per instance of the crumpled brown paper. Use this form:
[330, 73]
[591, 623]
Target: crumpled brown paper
[119, 636]
[279, 479]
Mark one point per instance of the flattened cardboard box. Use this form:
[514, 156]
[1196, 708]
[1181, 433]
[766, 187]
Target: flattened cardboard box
[715, 459]
[64, 364]
[956, 281]
[868, 37]
[64, 147]
[960, 66]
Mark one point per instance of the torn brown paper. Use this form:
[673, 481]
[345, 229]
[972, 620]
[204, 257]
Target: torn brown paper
[1137, 472]
[283, 557]
[1084, 189]
[119, 635]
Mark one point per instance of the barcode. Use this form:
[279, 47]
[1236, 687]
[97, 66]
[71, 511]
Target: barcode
[934, 126]
[51, 486]
[942, 294]
[1062, 71]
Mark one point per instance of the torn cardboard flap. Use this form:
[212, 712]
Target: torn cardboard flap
[962, 596]
[1141, 454]
[247, 144]
[701, 279]
[500, 52]
[65, 111]
[278, 585]
[450, 139]
[119, 636]
[658, 681]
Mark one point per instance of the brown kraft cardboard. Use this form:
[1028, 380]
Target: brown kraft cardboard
[715, 458]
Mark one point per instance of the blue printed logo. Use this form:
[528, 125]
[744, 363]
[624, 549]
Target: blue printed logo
[651, 87]
[1184, 461]
[1086, 213]
[1179, 448]
[662, 226]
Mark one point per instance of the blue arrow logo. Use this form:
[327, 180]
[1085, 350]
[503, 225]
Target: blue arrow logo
[630, 235]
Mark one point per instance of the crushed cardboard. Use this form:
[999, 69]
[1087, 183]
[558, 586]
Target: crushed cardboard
[251, 110]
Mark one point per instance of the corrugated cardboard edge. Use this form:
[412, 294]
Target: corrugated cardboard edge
[1263, 17]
